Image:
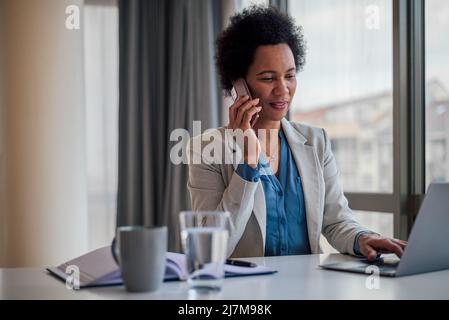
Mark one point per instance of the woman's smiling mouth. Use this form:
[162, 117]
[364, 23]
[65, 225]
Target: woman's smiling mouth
[279, 105]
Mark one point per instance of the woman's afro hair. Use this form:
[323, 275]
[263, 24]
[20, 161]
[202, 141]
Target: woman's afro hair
[249, 29]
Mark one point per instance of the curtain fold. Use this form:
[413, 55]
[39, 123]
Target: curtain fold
[282, 5]
[167, 80]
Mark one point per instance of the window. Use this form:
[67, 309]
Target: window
[345, 150]
[101, 94]
[437, 91]
[346, 86]
[246, 3]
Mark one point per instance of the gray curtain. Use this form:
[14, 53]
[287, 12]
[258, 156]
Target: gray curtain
[167, 80]
[282, 5]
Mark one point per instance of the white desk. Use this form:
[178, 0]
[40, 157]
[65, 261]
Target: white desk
[299, 277]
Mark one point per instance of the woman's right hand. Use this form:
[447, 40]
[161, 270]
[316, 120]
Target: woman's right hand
[241, 114]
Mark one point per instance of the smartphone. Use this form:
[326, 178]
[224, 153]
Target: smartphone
[240, 89]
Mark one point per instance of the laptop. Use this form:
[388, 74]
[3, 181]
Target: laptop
[427, 248]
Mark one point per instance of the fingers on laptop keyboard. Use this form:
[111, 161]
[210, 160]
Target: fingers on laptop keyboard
[388, 246]
[401, 243]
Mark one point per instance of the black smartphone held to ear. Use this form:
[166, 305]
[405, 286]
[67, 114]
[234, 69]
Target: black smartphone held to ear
[240, 89]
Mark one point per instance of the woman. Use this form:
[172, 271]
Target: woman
[287, 191]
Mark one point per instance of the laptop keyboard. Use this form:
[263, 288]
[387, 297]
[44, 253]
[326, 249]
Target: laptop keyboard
[381, 262]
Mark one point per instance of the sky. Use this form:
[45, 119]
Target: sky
[350, 49]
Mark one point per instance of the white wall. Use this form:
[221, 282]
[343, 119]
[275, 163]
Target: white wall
[43, 134]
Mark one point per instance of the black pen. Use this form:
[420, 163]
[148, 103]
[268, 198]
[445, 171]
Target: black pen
[241, 263]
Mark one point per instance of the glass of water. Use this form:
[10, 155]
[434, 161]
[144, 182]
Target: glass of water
[204, 238]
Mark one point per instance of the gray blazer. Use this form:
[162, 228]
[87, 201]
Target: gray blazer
[215, 186]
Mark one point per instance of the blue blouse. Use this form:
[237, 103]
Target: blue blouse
[286, 231]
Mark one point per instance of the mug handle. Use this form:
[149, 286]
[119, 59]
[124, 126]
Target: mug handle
[114, 251]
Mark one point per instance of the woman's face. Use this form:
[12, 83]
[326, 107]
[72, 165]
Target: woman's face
[272, 78]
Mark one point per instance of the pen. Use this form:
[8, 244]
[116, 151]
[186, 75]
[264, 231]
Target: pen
[241, 263]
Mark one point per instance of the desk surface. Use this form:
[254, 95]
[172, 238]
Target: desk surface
[299, 277]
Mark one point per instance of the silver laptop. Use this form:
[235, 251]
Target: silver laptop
[427, 249]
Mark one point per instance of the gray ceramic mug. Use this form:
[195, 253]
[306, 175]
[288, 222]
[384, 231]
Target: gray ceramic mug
[140, 253]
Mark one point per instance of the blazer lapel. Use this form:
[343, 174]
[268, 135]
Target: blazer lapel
[308, 167]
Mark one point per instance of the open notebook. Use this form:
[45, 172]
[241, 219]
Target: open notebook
[98, 268]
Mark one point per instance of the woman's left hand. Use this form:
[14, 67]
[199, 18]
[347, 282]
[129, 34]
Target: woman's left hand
[372, 244]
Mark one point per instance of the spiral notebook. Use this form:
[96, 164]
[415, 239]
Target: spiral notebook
[98, 268]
